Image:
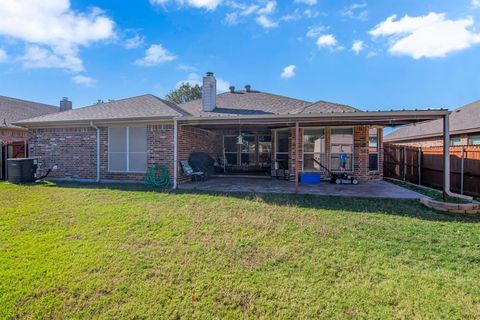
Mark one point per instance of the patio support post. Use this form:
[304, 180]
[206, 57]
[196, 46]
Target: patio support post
[446, 157]
[297, 160]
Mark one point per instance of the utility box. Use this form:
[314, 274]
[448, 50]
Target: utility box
[310, 177]
[21, 170]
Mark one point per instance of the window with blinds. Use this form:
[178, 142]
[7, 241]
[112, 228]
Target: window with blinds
[127, 149]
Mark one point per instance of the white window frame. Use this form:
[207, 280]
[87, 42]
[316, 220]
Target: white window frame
[330, 153]
[326, 154]
[378, 149]
[127, 153]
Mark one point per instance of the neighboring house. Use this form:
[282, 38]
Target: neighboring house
[256, 133]
[464, 130]
[13, 110]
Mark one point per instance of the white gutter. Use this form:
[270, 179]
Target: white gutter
[175, 151]
[98, 150]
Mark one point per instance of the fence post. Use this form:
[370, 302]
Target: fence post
[419, 166]
[404, 163]
[462, 169]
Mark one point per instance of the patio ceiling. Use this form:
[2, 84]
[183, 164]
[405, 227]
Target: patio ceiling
[379, 118]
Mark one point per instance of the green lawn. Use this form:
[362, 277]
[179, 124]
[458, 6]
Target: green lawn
[85, 251]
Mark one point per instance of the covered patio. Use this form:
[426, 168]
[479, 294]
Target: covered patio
[283, 146]
[368, 189]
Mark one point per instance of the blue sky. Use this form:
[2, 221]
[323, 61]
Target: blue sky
[427, 55]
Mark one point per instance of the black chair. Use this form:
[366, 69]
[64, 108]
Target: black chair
[188, 171]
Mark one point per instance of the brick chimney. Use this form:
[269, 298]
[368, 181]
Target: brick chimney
[209, 92]
[65, 104]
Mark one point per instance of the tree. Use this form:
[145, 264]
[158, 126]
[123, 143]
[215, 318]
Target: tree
[184, 93]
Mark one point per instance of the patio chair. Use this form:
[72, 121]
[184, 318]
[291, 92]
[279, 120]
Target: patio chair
[188, 171]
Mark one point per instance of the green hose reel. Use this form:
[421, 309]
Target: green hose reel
[158, 177]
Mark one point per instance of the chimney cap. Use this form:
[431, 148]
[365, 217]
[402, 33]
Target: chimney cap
[209, 74]
[232, 89]
[248, 88]
[65, 99]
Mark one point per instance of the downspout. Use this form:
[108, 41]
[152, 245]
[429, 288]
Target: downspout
[98, 150]
[175, 151]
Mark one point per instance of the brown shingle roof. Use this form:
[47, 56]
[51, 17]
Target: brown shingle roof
[145, 106]
[246, 103]
[464, 119]
[228, 104]
[326, 107]
[13, 110]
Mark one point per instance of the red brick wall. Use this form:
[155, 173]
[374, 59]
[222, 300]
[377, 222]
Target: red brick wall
[7, 135]
[361, 171]
[73, 150]
[192, 139]
[159, 148]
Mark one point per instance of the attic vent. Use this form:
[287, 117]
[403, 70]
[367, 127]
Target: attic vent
[232, 89]
[248, 88]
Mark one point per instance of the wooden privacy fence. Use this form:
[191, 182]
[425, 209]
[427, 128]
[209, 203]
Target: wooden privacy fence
[424, 166]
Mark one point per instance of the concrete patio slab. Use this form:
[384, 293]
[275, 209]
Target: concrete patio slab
[370, 189]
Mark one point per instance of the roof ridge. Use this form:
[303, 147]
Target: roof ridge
[172, 105]
[87, 107]
[338, 104]
[277, 95]
[328, 102]
[29, 101]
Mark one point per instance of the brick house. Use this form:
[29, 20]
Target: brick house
[13, 110]
[464, 130]
[255, 132]
[13, 139]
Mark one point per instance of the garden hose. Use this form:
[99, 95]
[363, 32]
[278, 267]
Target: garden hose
[157, 176]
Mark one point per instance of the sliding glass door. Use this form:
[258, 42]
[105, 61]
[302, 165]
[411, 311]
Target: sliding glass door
[254, 151]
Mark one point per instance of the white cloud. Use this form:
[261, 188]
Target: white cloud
[155, 55]
[266, 22]
[186, 67]
[231, 18]
[328, 41]
[263, 13]
[427, 36]
[475, 4]
[288, 71]
[315, 31]
[40, 57]
[307, 2]
[194, 79]
[298, 14]
[356, 11]
[134, 42]
[84, 81]
[358, 46]
[3, 55]
[269, 8]
[202, 4]
[243, 10]
[51, 29]
[222, 85]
